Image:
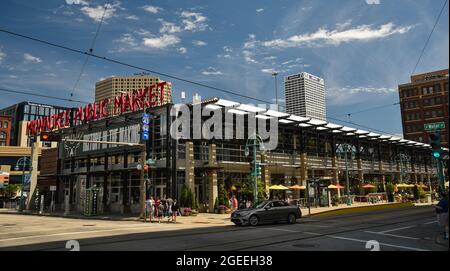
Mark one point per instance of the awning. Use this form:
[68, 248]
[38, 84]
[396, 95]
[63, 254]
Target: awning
[297, 187]
[278, 187]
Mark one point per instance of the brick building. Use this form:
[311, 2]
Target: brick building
[5, 130]
[424, 101]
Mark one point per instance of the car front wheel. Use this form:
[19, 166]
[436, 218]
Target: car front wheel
[291, 218]
[254, 220]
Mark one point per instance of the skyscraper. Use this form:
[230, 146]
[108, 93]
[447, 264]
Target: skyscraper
[117, 85]
[305, 95]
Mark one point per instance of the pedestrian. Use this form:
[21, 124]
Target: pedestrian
[169, 203]
[157, 204]
[161, 211]
[442, 213]
[148, 209]
[152, 209]
[174, 209]
[234, 202]
[248, 204]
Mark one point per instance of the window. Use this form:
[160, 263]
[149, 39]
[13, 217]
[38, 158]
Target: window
[5, 125]
[1, 125]
[2, 135]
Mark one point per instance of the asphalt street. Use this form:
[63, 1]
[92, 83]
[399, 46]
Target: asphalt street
[404, 229]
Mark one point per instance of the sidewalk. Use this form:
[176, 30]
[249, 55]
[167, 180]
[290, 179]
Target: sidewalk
[355, 207]
[215, 219]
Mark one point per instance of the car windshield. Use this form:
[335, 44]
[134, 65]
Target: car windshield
[260, 205]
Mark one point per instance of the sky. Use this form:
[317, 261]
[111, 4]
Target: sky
[362, 48]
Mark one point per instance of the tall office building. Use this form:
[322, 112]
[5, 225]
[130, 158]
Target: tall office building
[305, 95]
[117, 85]
[425, 101]
[23, 112]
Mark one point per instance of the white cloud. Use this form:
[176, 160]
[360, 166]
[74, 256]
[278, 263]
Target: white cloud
[128, 39]
[31, 59]
[336, 37]
[270, 57]
[12, 76]
[96, 13]
[227, 49]
[211, 71]
[161, 42]
[182, 50]
[2, 55]
[248, 56]
[152, 9]
[199, 43]
[132, 17]
[194, 21]
[269, 71]
[251, 42]
[355, 90]
[77, 2]
[373, 2]
[259, 10]
[168, 27]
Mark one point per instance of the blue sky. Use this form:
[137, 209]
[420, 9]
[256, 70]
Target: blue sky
[362, 48]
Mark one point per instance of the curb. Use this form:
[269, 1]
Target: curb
[356, 209]
[73, 217]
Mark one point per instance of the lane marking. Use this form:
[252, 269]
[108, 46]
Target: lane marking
[393, 235]
[278, 229]
[152, 230]
[431, 222]
[364, 241]
[397, 229]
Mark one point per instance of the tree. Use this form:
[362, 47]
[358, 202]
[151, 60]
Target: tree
[10, 191]
[187, 198]
[248, 189]
[223, 196]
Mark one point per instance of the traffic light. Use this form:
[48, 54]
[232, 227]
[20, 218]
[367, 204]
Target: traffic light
[435, 142]
[48, 137]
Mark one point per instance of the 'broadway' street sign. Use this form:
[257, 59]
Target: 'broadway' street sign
[434, 126]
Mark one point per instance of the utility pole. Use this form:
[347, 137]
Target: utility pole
[275, 74]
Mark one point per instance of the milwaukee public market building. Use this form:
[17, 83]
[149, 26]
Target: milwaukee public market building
[306, 149]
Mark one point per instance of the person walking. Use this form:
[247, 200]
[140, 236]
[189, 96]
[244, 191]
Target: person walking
[157, 204]
[148, 209]
[442, 213]
[174, 209]
[234, 202]
[169, 203]
[161, 210]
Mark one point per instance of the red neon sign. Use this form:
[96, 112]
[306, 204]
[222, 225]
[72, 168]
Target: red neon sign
[146, 97]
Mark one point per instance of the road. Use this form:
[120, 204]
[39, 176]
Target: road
[405, 229]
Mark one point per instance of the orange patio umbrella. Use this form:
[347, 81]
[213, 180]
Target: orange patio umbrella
[297, 187]
[368, 186]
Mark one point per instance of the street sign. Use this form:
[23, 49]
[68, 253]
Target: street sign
[434, 126]
[52, 187]
[145, 126]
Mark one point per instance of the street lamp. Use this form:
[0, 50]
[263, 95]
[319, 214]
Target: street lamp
[401, 157]
[276, 89]
[24, 161]
[345, 149]
[254, 143]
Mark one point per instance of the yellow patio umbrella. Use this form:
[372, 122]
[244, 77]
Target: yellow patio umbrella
[332, 186]
[278, 187]
[297, 187]
[446, 184]
[402, 185]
